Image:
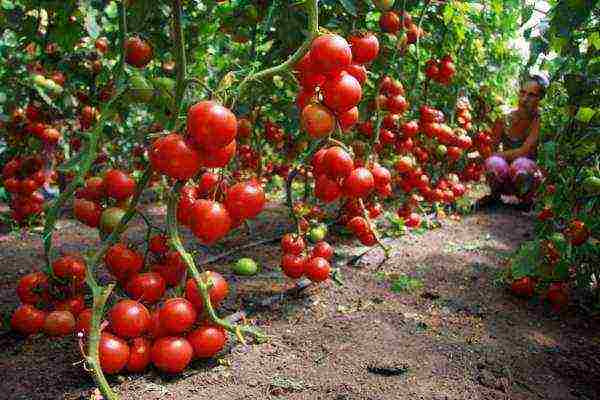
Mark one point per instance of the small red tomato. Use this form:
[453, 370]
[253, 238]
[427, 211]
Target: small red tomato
[317, 269]
[293, 265]
[207, 340]
[292, 244]
[218, 289]
[83, 321]
[148, 287]
[27, 319]
[171, 354]
[119, 185]
[33, 288]
[322, 249]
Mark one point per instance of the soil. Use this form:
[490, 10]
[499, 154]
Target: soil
[434, 322]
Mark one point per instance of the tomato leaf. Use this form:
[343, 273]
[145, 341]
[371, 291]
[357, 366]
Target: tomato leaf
[349, 7]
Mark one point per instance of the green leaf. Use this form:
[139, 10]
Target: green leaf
[349, 7]
[405, 283]
[8, 5]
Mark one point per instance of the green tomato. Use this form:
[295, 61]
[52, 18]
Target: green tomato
[441, 150]
[110, 218]
[383, 5]
[558, 238]
[317, 233]
[245, 266]
[140, 91]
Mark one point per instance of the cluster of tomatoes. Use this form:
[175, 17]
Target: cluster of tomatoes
[23, 177]
[169, 336]
[52, 302]
[330, 76]
[440, 71]
[102, 201]
[394, 22]
[297, 261]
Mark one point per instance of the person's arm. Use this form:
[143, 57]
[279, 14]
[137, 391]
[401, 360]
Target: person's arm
[528, 146]
[497, 132]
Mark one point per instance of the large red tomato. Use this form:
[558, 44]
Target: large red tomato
[177, 315]
[138, 52]
[365, 47]
[317, 121]
[33, 288]
[219, 157]
[327, 190]
[359, 183]
[71, 267]
[119, 185]
[171, 354]
[317, 269]
[337, 163]
[113, 353]
[210, 221]
[211, 125]
[59, 323]
[88, 212]
[341, 92]
[122, 261]
[293, 265]
[129, 319]
[330, 53]
[171, 155]
[245, 200]
[148, 287]
[139, 355]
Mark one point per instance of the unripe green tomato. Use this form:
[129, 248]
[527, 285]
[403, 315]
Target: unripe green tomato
[140, 91]
[383, 5]
[317, 233]
[245, 266]
[110, 218]
[441, 150]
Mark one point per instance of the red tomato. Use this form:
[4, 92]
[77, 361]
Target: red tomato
[217, 291]
[122, 261]
[27, 319]
[138, 52]
[292, 244]
[359, 184]
[173, 270]
[348, 119]
[88, 212]
[330, 53]
[173, 156]
[71, 267]
[524, 287]
[113, 353]
[59, 323]
[158, 244]
[210, 221]
[327, 190]
[171, 354]
[177, 315]
[365, 47]
[293, 265]
[245, 200]
[33, 288]
[219, 157]
[129, 319]
[389, 22]
[338, 163]
[210, 125]
[207, 341]
[317, 269]
[341, 92]
[75, 305]
[119, 185]
[322, 249]
[139, 355]
[148, 287]
[317, 121]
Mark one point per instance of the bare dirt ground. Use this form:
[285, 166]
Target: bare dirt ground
[461, 335]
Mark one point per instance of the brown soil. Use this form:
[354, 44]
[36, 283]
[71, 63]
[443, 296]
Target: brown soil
[461, 335]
